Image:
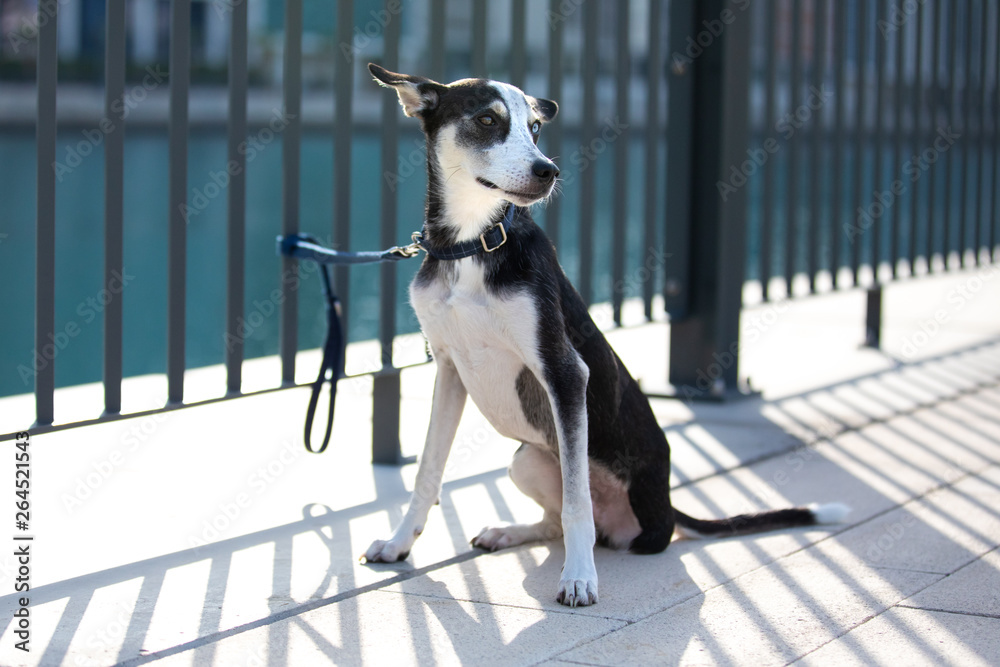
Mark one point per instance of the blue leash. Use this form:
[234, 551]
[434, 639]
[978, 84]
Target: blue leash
[305, 247]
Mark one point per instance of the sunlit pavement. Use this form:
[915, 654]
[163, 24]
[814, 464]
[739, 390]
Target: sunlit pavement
[208, 536]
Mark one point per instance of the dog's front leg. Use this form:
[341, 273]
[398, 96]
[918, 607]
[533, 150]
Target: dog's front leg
[446, 412]
[567, 383]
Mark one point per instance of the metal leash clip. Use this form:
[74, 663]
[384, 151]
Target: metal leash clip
[411, 250]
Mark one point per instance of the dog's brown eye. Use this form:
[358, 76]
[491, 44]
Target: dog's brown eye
[486, 120]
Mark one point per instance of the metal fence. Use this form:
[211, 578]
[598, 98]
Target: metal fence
[880, 124]
[789, 121]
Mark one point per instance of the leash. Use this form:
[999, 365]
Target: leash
[306, 247]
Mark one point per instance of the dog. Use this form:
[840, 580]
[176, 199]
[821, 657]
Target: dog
[506, 327]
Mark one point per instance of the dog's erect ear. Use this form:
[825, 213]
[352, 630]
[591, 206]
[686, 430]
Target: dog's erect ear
[547, 109]
[416, 93]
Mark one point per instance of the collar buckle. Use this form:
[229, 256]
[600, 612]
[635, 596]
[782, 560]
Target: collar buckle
[503, 239]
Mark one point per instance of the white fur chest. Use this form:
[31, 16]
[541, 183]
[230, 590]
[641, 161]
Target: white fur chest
[489, 339]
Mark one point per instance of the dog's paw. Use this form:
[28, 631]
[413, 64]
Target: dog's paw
[498, 537]
[501, 537]
[384, 551]
[577, 592]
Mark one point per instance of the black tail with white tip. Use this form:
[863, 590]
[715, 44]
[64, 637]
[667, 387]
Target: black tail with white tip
[743, 524]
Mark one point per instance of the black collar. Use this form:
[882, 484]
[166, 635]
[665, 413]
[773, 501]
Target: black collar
[488, 241]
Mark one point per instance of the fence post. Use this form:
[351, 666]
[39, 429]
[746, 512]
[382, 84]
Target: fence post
[710, 53]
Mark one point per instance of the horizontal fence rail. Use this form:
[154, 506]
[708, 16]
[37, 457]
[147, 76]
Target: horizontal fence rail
[869, 153]
[585, 55]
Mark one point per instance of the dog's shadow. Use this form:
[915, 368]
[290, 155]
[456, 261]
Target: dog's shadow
[630, 586]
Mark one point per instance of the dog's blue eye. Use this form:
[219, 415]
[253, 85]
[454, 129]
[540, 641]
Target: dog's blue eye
[536, 127]
[486, 120]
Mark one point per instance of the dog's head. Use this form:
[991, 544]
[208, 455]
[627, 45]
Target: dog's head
[482, 136]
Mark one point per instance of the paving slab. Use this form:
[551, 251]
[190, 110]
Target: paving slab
[386, 628]
[631, 586]
[940, 532]
[974, 589]
[770, 616]
[915, 637]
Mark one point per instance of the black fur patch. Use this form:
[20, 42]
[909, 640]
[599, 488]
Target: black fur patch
[535, 405]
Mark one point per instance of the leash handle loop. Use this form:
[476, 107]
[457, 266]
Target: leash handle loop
[331, 368]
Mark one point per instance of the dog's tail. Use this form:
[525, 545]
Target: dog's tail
[741, 524]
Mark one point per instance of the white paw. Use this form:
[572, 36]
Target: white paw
[577, 592]
[491, 539]
[385, 551]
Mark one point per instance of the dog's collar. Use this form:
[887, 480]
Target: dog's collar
[488, 241]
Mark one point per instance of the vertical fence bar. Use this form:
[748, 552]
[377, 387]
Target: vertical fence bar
[873, 315]
[995, 174]
[965, 143]
[620, 196]
[950, 114]
[479, 44]
[819, 43]
[861, 30]
[704, 346]
[554, 133]
[342, 131]
[385, 424]
[918, 130]
[518, 50]
[680, 115]
[981, 127]
[180, 78]
[114, 89]
[878, 138]
[794, 152]
[291, 93]
[838, 222]
[45, 212]
[898, 129]
[236, 196]
[933, 106]
[588, 131]
[771, 170]
[436, 39]
[650, 191]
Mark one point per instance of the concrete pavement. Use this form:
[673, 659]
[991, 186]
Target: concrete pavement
[209, 537]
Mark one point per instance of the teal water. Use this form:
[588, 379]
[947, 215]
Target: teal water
[79, 247]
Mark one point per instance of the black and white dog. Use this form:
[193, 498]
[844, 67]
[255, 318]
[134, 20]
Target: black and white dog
[505, 328]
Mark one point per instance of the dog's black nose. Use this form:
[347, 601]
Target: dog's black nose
[545, 170]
